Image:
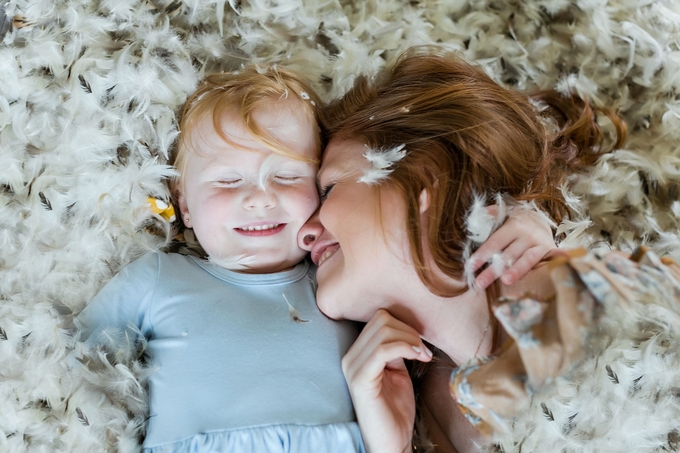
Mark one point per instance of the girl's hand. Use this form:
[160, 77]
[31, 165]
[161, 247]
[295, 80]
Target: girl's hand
[379, 383]
[522, 241]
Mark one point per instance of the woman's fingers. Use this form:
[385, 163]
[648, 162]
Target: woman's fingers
[382, 348]
[498, 241]
[514, 249]
[383, 343]
[523, 264]
[513, 263]
[386, 356]
[370, 346]
[380, 320]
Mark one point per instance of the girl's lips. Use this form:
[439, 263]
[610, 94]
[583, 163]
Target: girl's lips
[323, 253]
[261, 230]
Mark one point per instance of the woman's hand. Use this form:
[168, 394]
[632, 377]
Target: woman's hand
[379, 383]
[523, 241]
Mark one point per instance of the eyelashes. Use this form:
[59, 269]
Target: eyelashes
[324, 191]
[227, 183]
[285, 180]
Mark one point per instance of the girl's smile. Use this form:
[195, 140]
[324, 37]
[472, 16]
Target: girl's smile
[261, 229]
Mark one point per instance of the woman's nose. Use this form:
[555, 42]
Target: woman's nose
[310, 233]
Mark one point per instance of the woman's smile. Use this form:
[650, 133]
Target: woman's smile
[324, 251]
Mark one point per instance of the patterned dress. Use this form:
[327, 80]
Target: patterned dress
[550, 337]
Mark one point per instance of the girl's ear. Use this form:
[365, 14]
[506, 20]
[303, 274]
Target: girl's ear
[186, 217]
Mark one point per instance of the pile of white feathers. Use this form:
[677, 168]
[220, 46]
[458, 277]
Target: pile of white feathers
[90, 92]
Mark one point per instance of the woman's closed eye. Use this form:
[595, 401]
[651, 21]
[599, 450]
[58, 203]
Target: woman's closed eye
[325, 190]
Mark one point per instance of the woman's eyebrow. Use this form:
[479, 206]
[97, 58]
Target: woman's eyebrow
[322, 171]
[338, 171]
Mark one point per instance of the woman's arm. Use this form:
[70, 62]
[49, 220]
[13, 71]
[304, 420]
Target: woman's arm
[379, 382]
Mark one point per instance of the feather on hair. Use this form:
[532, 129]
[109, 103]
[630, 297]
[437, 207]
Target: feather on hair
[381, 163]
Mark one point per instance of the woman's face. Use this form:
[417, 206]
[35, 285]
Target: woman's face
[358, 239]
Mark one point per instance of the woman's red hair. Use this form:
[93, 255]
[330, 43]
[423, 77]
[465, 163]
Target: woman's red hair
[465, 135]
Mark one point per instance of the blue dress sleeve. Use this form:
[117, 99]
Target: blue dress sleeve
[119, 313]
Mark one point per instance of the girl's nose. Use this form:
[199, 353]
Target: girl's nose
[310, 233]
[258, 198]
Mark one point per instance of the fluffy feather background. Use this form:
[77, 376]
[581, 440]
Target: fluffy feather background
[89, 96]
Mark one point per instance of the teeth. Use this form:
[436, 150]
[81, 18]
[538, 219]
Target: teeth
[260, 227]
[324, 257]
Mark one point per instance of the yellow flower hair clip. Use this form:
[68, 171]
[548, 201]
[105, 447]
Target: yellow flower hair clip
[162, 208]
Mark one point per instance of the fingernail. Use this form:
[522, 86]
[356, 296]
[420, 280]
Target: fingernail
[427, 351]
[416, 348]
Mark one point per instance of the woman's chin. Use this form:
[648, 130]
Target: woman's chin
[323, 301]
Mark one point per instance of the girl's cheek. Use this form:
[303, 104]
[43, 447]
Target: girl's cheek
[304, 192]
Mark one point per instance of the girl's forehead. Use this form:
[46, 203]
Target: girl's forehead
[291, 128]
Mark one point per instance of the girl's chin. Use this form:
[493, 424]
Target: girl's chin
[258, 262]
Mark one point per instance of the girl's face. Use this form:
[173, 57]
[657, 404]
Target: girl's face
[246, 203]
[360, 244]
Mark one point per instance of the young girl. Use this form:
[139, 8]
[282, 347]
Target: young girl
[244, 360]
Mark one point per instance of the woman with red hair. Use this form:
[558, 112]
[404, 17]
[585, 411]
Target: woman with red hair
[407, 160]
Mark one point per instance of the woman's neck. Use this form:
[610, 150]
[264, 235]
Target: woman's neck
[461, 326]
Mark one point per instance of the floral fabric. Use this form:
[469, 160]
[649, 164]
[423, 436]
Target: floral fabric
[548, 337]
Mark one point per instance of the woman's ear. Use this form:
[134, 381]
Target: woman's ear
[186, 217]
[426, 196]
[424, 201]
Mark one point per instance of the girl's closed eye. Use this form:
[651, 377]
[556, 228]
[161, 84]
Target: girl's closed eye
[228, 183]
[287, 178]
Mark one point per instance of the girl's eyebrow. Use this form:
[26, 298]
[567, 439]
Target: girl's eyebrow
[213, 169]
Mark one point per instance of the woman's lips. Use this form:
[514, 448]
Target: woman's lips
[324, 253]
[263, 229]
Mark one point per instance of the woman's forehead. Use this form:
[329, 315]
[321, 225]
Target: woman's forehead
[342, 153]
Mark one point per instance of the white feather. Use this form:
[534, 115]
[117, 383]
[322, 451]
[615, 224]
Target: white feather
[381, 163]
[232, 262]
[96, 174]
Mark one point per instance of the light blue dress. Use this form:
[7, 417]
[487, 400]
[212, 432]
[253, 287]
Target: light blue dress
[244, 362]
